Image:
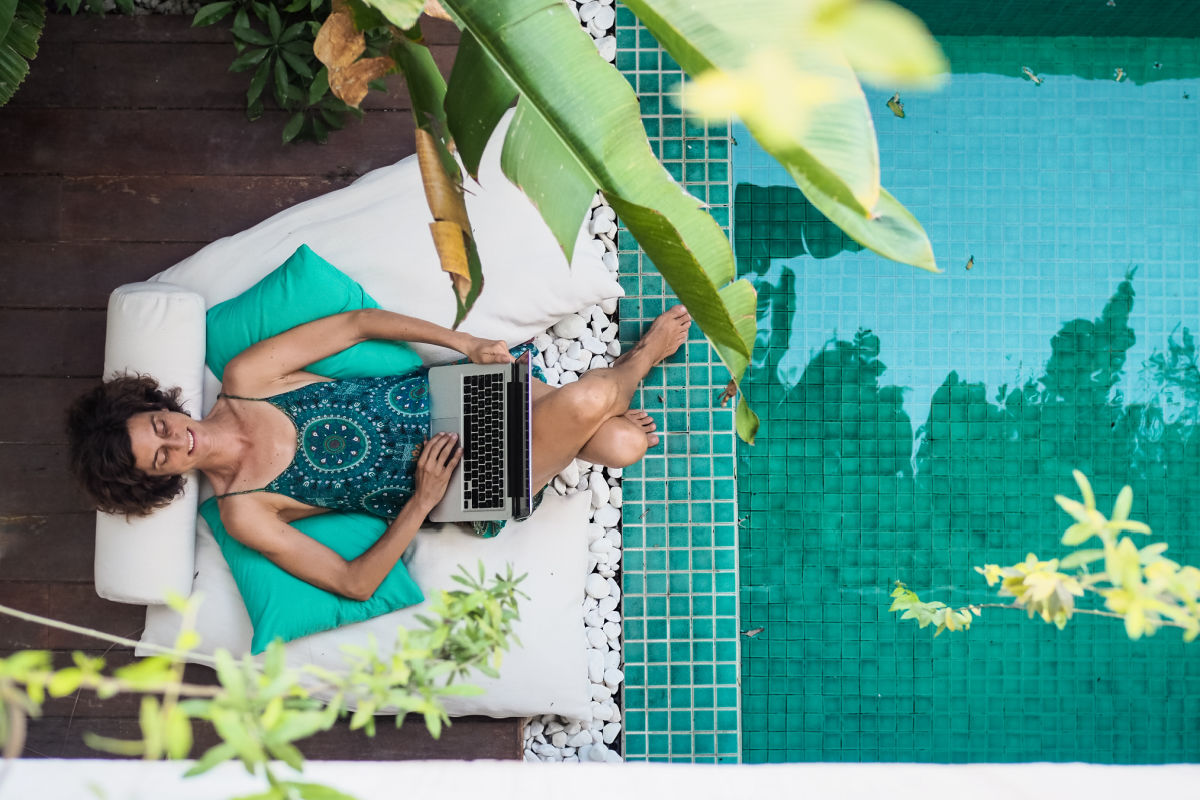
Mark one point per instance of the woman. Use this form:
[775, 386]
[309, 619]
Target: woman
[131, 443]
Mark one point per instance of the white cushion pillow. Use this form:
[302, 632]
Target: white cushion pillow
[547, 673]
[155, 329]
[377, 231]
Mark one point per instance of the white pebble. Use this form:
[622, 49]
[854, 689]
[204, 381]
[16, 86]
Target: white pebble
[615, 472]
[600, 691]
[609, 306]
[604, 211]
[593, 619]
[542, 341]
[613, 757]
[574, 349]
[598, 362]
[545, 749]
[580, 739]
[559, 485]
[595, 532]
[613, 589]
[596, 638]
[552, 376]
[607, 335]
[594, 30]
[610, 732]
[570, 363]
[568, 754]
[588, 10]
[611, 263]
[605, 570]
[583, 752]
[600, 489]
[550, 355]
[597, 587]
[570, 474]
[567, 378]
[573, 727]
[601, 712]
[606, 604]
[592, 344]
[531, 757]
[612, 616]
[559, 739]
[607, 45]
[611, 629]
[613, 677]
[615, 496]
[612, 660]
[601, 225]
[608, 517]
[597, 663]
[570, 326]
[598, 734]
[598, 753]
[604, 17]
[562, 344]
[535, 728]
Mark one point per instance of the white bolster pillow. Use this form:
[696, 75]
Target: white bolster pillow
[154, 329]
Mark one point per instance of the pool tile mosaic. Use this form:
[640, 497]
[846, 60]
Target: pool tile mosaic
[916, 425]
[680, 561]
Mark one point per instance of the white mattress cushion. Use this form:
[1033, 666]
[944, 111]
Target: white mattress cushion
[547, 673]
[377, 231]
[155, 329]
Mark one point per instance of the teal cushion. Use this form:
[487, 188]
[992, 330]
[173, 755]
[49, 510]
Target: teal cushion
[282, 605]
[304, 288]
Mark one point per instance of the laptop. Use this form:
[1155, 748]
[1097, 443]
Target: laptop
[489, 406]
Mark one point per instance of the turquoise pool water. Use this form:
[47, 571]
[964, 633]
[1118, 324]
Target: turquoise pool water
[916, 425]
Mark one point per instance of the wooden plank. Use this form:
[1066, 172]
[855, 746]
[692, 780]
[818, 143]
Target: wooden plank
[34, 410]
[162, 76]
[83, 142]
[50, 82]
[34, 479]
[177, 28]
[78, 275]
[180, 208]
[55, 342]
[32, 209]
[42, 548]
[67, 602]
[474, 737]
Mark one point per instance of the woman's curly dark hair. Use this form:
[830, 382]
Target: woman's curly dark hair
[101, 453]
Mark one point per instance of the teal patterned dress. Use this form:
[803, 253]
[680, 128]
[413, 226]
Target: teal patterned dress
[358, 441]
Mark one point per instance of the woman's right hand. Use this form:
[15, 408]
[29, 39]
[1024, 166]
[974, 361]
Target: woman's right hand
[439, 456]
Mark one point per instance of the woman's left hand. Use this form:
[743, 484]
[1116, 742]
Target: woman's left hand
[486, 351]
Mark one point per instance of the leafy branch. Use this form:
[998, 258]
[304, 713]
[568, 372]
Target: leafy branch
[260, 711]
[1138, 585]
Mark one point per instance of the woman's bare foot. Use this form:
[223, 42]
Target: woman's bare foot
[668, 331]
[646, 423]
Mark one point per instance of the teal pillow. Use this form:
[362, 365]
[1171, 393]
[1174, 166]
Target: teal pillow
[282, 605]
[304, 288]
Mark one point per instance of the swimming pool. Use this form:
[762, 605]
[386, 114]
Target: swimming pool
[916, 425]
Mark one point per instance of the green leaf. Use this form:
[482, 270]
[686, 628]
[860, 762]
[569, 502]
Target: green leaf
[281, 82]
[248, 59]
[293, 32]
[563, 93]
[885, 43]
[230, 674]
[286, 753]
[745, 421]
[295, 6]
[1081, 557]
[292, 128]
[217, 754]
[208, 14]
[401, 13]
[800, 99]
[251, 36]
[315, 791]
[118, 747]
[319, 86]
[477, 96]
[178, 733]
[258, 82]
[64, 682]
[274, 22]
[22, 22]
[297, 64]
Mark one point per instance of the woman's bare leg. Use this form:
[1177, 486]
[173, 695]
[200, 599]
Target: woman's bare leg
[564, 420]
[622, 440]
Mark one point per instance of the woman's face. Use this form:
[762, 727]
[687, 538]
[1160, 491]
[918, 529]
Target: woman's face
[164, 442]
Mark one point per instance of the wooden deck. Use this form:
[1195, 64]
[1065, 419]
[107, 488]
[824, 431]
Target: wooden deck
[126, 150]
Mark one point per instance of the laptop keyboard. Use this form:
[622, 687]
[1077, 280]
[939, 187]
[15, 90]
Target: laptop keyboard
[483, 441]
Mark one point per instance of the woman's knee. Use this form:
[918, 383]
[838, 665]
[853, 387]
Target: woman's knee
[590, 402]
[623, 445]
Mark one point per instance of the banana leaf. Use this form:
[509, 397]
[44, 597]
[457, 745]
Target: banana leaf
[21, 23]
[578, 129]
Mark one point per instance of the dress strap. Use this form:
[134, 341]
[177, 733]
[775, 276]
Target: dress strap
[241, 397]
[243, 491]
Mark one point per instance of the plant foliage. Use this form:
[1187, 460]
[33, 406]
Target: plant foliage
[1138, 585]
[21, 23]
[262, 711]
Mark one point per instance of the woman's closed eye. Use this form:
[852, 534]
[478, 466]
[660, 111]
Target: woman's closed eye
[160, 427]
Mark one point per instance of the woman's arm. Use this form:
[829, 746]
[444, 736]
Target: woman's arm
[256, 525]
[268, 367]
